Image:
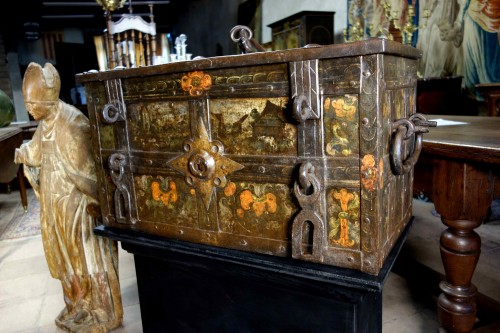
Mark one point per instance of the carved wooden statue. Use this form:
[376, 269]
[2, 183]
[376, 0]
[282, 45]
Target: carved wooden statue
[59, 165]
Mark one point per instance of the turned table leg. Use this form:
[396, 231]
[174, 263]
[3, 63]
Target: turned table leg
[22, 187]
[462, 194]
[460, 248]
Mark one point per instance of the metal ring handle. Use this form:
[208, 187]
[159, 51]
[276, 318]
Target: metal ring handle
[243, 39]
[408, 124]
[308, 188]
[306, 172]
[399, 166]
[414, 127]
[116, 163]
[240, 29]
[243, 35]
[301, 108]
[111, 113]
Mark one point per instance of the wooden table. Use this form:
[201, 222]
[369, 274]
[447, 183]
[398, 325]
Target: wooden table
[28, 128]
[11, 137]
[464, 162]
[491, 93]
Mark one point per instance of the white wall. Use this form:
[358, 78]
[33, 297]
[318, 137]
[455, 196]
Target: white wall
[275, 10]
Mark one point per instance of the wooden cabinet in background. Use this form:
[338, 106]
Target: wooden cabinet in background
[491, 93]
[303, 28]
[441, 95]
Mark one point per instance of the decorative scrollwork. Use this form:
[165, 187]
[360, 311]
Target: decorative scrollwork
[405, 129]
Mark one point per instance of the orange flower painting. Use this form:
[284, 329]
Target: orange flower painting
[196, 82]
[369, 173]
[345, 198]
[344, 232]
[260, 205]
[230, 189]
[343, 109]
[168, 197]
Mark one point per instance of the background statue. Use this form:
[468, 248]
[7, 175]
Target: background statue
[59, 165]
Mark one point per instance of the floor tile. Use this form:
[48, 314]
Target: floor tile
[20, 316]
[23, 288]
[52, 306]
[13, 269]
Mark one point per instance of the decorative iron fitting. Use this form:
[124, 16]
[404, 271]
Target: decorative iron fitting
[307, 223]
[242, 35]
[114, 110]
[111, 113]
[304, 81]
[308, 188]
[204, 164]
[122, 201]
[404, 130]
[301, 108]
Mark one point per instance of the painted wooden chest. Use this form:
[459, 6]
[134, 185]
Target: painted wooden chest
[305, 153]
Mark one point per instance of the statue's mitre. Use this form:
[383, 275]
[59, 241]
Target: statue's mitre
[41, 84]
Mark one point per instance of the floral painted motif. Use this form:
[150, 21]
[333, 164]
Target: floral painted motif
[369, 173]
[168, 197]
[196, 82]
[341, 125]
[260, 205]
[230, 189]
[344, 232]
[344, 197]
[342, 229]
[255, 209]
[345, 108]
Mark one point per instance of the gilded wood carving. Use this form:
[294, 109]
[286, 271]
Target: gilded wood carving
[60, 166]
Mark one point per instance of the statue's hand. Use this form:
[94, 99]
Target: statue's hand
[18, 156]
[452, 33]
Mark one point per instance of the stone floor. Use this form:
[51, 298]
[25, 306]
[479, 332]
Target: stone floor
[30, 299]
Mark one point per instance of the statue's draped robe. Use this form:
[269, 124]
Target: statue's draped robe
[87, 265]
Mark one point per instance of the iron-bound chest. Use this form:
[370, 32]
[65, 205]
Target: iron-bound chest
[304, 153]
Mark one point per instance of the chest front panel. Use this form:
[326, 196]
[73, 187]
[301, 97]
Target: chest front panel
[286, 158]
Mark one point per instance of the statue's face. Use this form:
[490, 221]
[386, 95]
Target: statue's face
[39, 110]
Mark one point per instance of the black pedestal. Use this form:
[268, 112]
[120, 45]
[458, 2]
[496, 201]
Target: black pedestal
[185, 287]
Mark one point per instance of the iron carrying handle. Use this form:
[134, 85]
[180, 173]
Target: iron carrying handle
[243, 35]
[403, 130]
